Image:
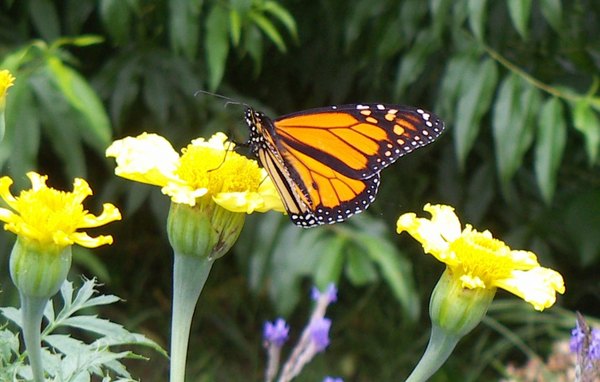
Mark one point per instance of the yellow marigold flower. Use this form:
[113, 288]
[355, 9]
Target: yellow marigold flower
[52, 217]
[6, 81]
[477, 260]
[205, 167]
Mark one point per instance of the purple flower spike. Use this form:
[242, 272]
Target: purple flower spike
[331, 293]
[332, 379]
[319, 332]
[577, 337]
[594, 351]
[277, 332]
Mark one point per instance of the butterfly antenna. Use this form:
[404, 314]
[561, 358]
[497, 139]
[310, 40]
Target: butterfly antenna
[230, 147]
[230, 101]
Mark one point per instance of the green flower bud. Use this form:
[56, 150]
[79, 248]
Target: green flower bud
[39, 270]
[204, 230]
[457, 310]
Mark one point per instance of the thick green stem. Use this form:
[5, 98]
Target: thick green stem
[438, 350]
[189, 275]
[32, 309]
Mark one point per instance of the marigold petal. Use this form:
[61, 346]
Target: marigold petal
[81, 190]
[537, 286]
[246, 202]
[445, 219]
[37, 181]
[425, 232]
[85, 240]
[182, 193]
[272, 200]
[217, 141]
[109, 214]
[471, 282]
[5, 194]
[524, 260]
[147, 158]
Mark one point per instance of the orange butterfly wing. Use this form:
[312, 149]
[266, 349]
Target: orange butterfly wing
[325, 162]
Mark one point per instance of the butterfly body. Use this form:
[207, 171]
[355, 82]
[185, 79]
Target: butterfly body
[325, 162]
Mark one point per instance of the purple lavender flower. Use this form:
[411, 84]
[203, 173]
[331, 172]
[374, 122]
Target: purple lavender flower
[594, 351]
[319, 332]
[577, 338]
[277, 332]
[333, 379]
[331, 293]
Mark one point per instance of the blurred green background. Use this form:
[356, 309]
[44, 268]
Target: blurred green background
[516, 82]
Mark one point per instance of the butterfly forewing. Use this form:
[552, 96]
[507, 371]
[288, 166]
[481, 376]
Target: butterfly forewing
[326, 162]
[359, 140]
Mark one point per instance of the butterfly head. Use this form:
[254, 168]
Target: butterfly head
[254, 120]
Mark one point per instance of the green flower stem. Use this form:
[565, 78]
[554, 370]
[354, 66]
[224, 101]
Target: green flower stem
[32, 309]
[438, 350]
[189, 275]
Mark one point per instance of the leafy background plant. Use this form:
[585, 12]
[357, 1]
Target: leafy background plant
[516, 82]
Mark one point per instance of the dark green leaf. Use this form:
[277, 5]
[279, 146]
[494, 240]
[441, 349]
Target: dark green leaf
[395, 269]
[439, 13]
[413, 62]
[156, 93]
[22, 141]
[117, 17]
[184, 26]
[552, 11]
[587, 123]
[61, 133]
[451, 87]
[235, 26]
[477, 18]
[253, 44]
[282, 15]
[520, 11]
[268, 29]
[550, 146]
[360, 270]
[45, 19]
[217, 44]
[330, 262]
[513, 124]
[95, 127]
[477, 93]
[582, 223]
[77, 13]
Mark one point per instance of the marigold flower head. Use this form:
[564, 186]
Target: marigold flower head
[477, 260]
[6, 81]
[51, 217]
[205, 167]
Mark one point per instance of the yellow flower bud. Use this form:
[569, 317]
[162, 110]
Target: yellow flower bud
[204, 230]
[38, 270]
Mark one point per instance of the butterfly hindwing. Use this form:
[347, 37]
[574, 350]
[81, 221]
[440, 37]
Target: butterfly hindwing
[326, 162]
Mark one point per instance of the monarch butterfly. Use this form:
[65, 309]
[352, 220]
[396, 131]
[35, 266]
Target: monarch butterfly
[325, 162]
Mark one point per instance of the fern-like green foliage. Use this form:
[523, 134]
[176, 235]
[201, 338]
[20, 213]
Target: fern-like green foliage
[69, 359]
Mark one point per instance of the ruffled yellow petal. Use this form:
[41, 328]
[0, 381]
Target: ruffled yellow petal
[147, 158]
[425, 232]
[182, 193]
[48, 216]
[537, 286]
[109, 214]
[84, 240]
[446, 221]
[205, 168]
[6, 81]
[478, 260]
